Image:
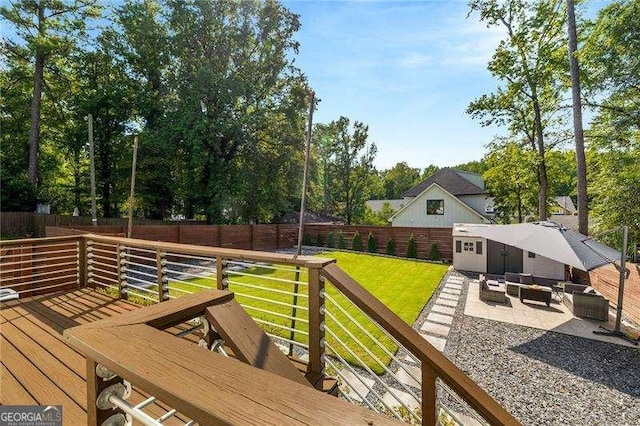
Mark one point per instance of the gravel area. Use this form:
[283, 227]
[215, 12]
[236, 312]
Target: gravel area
[546, 378]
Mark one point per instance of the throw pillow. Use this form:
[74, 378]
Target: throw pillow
[590, 290]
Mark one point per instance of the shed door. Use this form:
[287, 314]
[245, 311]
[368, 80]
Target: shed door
[502, 258]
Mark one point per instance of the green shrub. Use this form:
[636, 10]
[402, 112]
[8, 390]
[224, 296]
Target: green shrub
[341, 244]
[306, 240]
[371, 243]
[435, 252]
[391, 248]
[319, 240]
[330, 240]
[356, 242]
[412, 250]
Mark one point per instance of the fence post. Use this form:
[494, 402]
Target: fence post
[163, 289]
[82, 263]
[316, 322]
[221, 274]
[429, 395]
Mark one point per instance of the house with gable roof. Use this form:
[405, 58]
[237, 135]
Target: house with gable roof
[446, 197]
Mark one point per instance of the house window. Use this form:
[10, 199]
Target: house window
[435, 207]
[478, 247]
[532, 255]
[468, 247]
[458, 246]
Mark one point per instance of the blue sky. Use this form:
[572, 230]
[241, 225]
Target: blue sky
[408, 69]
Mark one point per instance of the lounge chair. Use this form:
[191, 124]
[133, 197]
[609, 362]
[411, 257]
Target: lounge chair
[492, 293]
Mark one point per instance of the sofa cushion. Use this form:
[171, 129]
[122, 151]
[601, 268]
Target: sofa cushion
[512, 277]
[526, 279]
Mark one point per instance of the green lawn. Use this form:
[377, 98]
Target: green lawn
[403, 285]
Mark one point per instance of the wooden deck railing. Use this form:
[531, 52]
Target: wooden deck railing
[149, 272]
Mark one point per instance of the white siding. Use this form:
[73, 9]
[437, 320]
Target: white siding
[415, 213]
[477, 202]
[542, 266]
[470, 260]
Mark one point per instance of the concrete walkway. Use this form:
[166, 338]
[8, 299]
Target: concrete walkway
[438, 324]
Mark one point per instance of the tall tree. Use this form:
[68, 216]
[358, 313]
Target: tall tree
[399, 179]
[510, 179]
[231, 68]
[611, 54]
[47, 28]
[350, 165]
[528, 63]
[581, 161]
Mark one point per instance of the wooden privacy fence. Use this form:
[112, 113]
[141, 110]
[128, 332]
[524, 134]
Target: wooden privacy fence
[21, 224]
[605, 279]
[277, 236]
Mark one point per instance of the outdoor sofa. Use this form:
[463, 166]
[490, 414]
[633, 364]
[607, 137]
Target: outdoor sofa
[586, 302]
[514, 281]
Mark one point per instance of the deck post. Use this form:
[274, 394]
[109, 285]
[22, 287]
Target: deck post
[429, 395]
[163, 291]
[316, 321]
[221, 275]
[82, 263]
[95, 385]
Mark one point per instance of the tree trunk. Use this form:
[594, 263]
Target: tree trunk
[581, 162]
[542, 166]
[519, 208]
[34, 131]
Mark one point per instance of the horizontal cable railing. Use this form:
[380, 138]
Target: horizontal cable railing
[310, 307]
[37, 266]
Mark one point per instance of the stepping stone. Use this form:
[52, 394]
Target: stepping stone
[448, 296]
[455, 280]
[453, 286]
[443, 319]
[393, 397]
[453, 291]
[438, 342]
[410, 376]
[446, 302]
[443, 310]
[355, 385]
[437, 329]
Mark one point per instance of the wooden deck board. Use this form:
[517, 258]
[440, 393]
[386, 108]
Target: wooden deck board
[12, 390]
[38, 367]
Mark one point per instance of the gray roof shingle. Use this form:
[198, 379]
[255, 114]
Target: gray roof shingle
[450, 180]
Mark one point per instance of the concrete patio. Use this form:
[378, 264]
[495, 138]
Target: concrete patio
[556, 318]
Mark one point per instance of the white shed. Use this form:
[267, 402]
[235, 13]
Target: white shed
[471, 252]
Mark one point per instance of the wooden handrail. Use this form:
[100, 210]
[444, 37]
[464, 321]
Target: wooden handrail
[235, 254]
[430, 357]
[205, 386]
[38, 241]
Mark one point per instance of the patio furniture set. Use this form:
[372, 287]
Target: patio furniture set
[583, 301]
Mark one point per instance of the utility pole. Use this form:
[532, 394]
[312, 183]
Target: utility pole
[133, 184]
[94, 217]
[307, 153]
